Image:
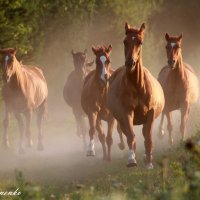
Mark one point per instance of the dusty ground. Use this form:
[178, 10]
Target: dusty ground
[63, 159]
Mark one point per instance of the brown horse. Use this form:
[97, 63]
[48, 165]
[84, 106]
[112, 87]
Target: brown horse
[24, 90]
[180, 86]
[93, 101]
[72, 90]
[135, 97]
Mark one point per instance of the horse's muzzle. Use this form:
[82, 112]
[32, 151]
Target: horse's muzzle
[172, 63]
[130, 64]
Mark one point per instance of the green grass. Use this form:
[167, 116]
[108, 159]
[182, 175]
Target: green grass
[176, 176]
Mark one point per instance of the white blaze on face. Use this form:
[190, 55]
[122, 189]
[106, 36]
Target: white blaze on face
[103, 73]
[133, 38]
[6, 60]
[173, 44]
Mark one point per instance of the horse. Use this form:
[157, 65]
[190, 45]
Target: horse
[72, 90]
[135, 97]
[180, 85]
[24, 90]
[93, 101]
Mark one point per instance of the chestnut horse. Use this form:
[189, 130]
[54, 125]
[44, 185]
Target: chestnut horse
[93, 101]
[72, 90]
[135, 97]
[24, 91]
[180, 86]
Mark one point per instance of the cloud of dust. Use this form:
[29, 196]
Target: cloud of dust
[64, 158]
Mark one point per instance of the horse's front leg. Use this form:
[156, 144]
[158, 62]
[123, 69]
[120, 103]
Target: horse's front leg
[121, 145]
[5, 142]
[147, 133]
[92, 117]
[21, 131]
[28, 116]
[184, 118]
[109, 139]
[126, 124]
[102, 137]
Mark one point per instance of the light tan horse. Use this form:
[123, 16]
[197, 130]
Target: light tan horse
[24, 91]
[72, 90]
[93, 101]
[180, 86]
[135, 97]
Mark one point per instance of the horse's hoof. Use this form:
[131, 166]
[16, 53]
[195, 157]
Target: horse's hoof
[132, 164]
[40, 147]
[149, 165]
[91, 153]
[121, 146]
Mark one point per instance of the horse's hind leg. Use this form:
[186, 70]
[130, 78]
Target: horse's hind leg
[121, 145]
[40, 115]
[102, 137]
[92, 122]
[109, 139]
[28, 116]
[83, 128]
[21, 130]
[161, 126]
[184, 118]
[170, 127]
[5, 134]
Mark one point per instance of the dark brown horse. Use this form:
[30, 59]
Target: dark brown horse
[72, 90]
[135, 97]
[24, 91]
[180, 86]
[93, 101]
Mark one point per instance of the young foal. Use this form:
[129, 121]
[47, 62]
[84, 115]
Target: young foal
[135, 97]
[24, 90]
[93, 101]
[180, 86]
[72, 90]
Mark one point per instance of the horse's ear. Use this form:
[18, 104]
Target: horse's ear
[94, 50]
[167, 37]
[85, 51]
[180, 37]
[127, 27]
[14, 51]
[143, 27]
[72, 52]
[109, 49]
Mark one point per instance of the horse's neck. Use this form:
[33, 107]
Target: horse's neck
[136, 77]
[180, 69]
[17, 78]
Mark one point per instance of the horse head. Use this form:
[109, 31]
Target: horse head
[173, 49]
[133, 45]
[102, 63]
[80, 60]
[8, 58]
